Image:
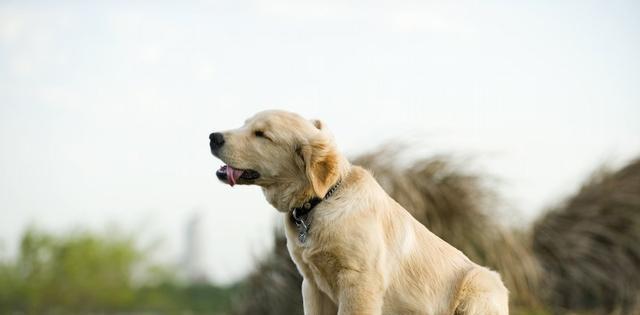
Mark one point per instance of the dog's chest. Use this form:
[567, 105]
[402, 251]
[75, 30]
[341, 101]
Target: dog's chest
[315, 264]
[322, 269]
[323, 279]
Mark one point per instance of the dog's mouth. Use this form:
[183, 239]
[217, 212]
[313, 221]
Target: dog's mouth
[233, 176]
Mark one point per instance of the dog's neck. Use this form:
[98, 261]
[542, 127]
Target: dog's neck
[291, 194]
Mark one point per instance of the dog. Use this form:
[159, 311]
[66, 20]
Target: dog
[358, 250]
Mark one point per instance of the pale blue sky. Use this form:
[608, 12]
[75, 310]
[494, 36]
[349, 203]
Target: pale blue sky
[105, 107]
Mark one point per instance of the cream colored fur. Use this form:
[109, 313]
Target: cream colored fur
[364, 253]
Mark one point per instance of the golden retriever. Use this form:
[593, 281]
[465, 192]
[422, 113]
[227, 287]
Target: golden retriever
[357, 249]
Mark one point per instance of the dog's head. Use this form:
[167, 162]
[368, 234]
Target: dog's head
[279, 150]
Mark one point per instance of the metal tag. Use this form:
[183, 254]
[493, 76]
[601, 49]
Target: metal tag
[302, 231]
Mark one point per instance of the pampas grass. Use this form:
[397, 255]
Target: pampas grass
[589, 247]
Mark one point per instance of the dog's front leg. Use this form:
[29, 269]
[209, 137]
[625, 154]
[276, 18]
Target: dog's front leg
[360, 294]
[315, 301]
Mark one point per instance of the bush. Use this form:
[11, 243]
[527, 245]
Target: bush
[589, 246]
[85, 273]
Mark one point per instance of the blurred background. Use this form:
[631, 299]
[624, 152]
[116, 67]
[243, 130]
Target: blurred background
[512, 130]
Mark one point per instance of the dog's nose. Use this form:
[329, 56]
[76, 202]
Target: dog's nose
[217, 140]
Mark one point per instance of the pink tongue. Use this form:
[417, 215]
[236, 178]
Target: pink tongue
[233, 175]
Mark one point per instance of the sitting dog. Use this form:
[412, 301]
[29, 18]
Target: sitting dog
[357, 249]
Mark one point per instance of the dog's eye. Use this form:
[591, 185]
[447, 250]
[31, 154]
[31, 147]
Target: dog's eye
[259, 133]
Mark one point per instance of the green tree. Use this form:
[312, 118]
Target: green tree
[78, 273]
[88, 273]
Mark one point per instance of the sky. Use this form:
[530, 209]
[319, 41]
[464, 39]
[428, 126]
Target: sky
[106, 107]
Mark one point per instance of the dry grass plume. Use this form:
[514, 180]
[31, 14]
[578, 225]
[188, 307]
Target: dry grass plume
[589, 247]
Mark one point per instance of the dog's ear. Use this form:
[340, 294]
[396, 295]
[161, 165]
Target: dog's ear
[317, 123]
[321, 164]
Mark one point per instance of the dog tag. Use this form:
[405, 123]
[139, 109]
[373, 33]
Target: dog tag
[302, 231]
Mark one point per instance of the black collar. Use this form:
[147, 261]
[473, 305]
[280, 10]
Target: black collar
[299, 215]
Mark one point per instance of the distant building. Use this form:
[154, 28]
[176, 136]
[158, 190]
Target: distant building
[193, 260]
